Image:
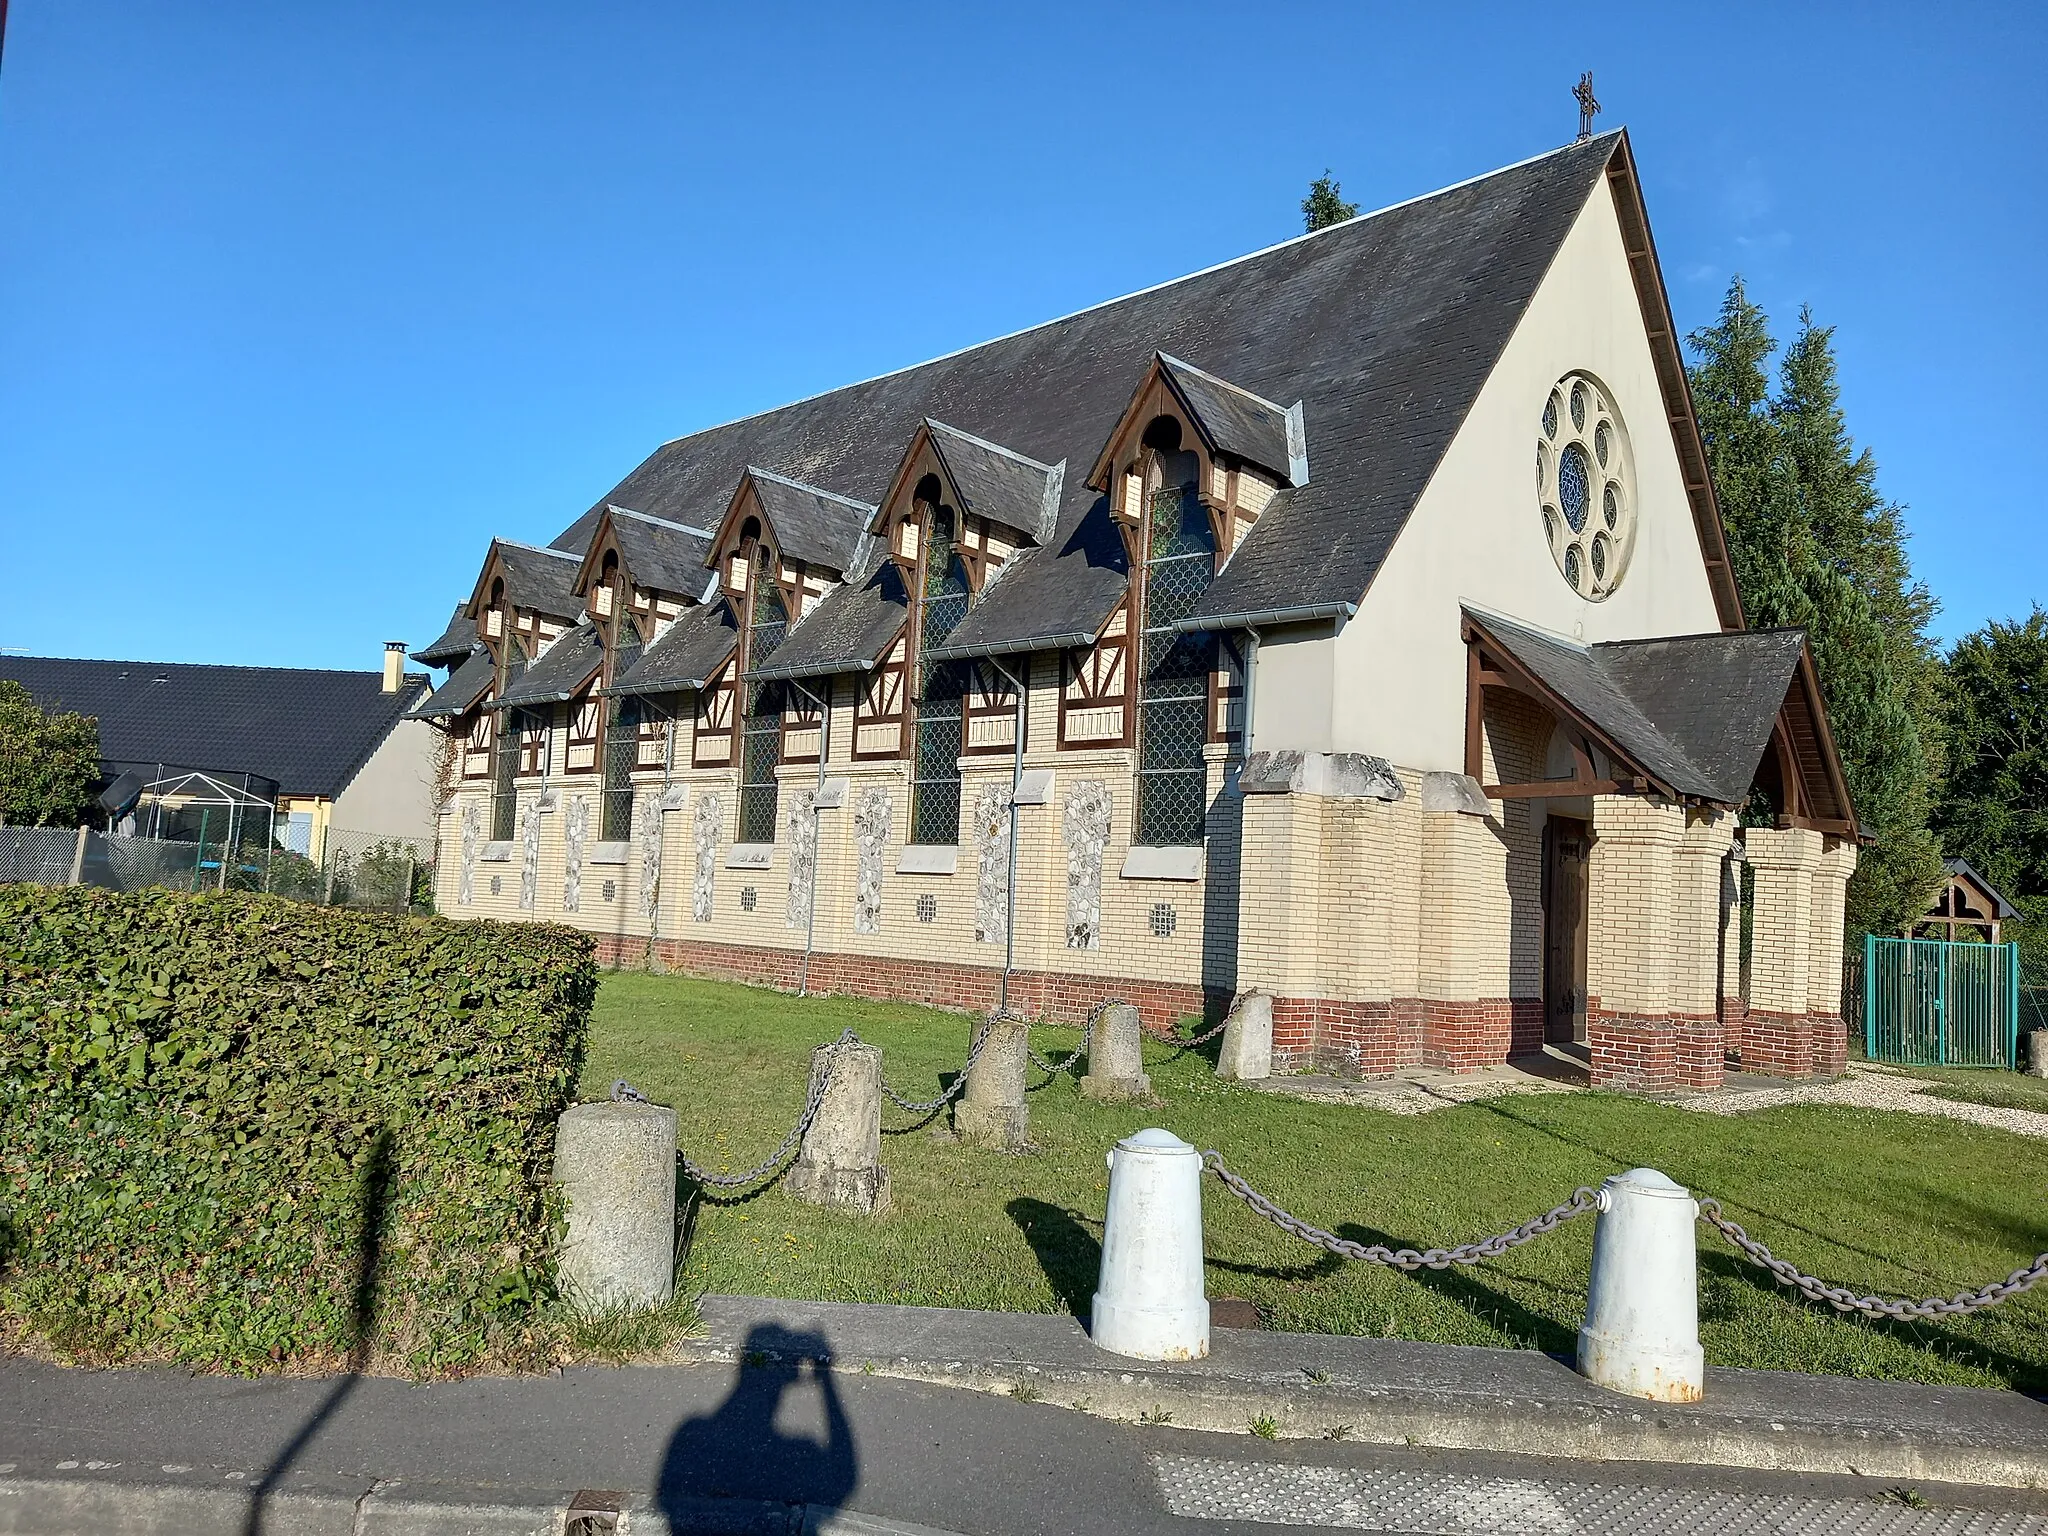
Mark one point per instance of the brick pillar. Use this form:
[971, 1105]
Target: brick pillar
[1629, 942]
[1277, 901]
[1734, 1007]
[1777, 1039]
[1829, 1034]
[1697, 871]
[1465, 940]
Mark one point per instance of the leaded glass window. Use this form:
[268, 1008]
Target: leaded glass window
[761, 728]
[621, 751]
[942, 688]
[1585, 485]
[1173, 687]
[504, 772]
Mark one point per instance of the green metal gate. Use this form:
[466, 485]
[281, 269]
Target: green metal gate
[1935, 1002]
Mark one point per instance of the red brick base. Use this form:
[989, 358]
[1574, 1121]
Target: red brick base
[965, 988]
[1830, 1044]
[1373, 1039]
[1632, 1050]
[1777, 1044]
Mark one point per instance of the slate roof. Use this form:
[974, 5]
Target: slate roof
[847, 631]
[668, 557]
[1060, 603]
[466, 684]
[1385, 327]
[454, 645]
[815, 526]
[1235, 420]
[311, 731]
[559, 671]
[542, 580]
[994, 482]
[1694, 711]
[683, 656]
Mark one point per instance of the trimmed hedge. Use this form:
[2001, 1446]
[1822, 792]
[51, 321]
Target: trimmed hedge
[241, 1131]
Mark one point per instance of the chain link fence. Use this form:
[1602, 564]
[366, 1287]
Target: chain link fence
[353, 869]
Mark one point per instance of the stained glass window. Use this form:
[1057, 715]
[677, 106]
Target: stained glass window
[1173, 690]
[1571, 486]
[942, 689]
[1582, 455]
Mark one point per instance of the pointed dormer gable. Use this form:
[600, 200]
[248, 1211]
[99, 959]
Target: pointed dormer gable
[643, 558]
[1187, 429]
[802, 539]
[524, 599]
[987, 500]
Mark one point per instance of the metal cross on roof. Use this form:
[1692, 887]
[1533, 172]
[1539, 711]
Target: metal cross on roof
[1588, 105]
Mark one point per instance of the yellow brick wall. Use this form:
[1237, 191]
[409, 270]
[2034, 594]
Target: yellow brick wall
[1784, 860]
[1630, 903]
[1824, 943]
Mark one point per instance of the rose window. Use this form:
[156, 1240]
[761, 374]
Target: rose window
[1585, 484]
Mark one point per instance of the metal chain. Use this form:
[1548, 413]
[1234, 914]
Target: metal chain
[1842, 1299]
[1187, 1042]
[625, 1092]
[1046, 1064]
[932, 1106]
[1582, 1201]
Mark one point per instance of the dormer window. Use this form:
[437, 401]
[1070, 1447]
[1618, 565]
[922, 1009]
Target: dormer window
[942, 598]
[604, 596]
[1177, 558]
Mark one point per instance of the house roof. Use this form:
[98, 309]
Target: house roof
[847, 631]
[668, 557]
[994, 482]
[816, 526]
[2002, 909]
[466, 684]
[559, 672]
[1025, 609]
[541, 580]
[683, 656]
[311, 731]
[1693, 711]
[1385, 327]
[454, 645]
[1237, 422]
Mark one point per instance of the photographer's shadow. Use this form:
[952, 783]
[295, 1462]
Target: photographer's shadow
[740, 1451]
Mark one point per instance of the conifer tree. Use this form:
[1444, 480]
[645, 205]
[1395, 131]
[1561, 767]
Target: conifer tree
[1993, 808]
[1325, 205]
[1814, 544]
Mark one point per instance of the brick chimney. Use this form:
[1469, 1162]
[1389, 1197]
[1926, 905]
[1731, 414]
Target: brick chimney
[394, 665]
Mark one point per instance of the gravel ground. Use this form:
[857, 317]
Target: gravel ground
[1865, 1088]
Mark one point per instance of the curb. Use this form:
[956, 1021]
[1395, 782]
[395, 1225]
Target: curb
[57, 1506]
[1397, 1392]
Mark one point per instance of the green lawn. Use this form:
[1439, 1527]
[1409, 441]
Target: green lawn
[1886, 1202]
[1986, 1085]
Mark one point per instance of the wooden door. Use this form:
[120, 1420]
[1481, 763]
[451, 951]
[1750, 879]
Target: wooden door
[1564, 929]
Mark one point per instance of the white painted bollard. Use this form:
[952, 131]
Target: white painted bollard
[1642, 1329]
[1148, 1296]
[617, 1165]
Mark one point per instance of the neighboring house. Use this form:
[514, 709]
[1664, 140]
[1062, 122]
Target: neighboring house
[937, 686]
[337, 746]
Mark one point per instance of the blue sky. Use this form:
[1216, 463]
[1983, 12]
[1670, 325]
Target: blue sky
[301, 303]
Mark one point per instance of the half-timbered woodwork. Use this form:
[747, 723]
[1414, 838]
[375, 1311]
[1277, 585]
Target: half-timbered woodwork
[1331, 700]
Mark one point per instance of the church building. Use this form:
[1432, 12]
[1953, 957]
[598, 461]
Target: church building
[1350, 622]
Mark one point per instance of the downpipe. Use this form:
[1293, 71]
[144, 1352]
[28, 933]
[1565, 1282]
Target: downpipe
[1010, 887]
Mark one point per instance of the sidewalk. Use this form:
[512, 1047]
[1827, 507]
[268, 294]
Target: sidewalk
[1452, 1397]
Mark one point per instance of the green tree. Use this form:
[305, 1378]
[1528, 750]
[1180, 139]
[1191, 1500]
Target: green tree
[1993, 807]
[1814, 544]
[49, 762]
[1325, 205]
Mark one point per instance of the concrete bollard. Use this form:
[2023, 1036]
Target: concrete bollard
[2037, 1053]
[991, 1110]
[1148, 1294]
[1642, 1329]
[617, 1165]
[1247, 1054]
[1116, 1057]
[840, 1162]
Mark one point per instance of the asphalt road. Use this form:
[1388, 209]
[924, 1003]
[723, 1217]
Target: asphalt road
[956, 1460]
